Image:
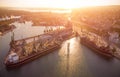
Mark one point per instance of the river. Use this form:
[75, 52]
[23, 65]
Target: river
[82, 62]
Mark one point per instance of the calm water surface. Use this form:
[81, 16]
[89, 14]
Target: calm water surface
[82, 62]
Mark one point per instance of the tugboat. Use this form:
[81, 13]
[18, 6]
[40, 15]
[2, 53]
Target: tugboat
[28, 49]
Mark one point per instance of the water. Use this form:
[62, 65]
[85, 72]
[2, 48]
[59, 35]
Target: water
[82, 62]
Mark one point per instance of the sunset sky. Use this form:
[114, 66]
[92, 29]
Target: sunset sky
[57, 3]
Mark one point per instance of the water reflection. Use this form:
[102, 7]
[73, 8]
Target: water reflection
[74, 47]
[69, 64]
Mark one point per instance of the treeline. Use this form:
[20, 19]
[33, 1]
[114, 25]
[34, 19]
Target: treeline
[46, 18]
[101, 17]
[8, 12]
[38, 18]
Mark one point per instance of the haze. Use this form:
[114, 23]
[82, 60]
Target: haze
[57, 3]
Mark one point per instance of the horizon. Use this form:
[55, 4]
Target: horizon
[68, 4]
[53, 8]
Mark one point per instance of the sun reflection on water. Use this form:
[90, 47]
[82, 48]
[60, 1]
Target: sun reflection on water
[73, 47]
[68, 65]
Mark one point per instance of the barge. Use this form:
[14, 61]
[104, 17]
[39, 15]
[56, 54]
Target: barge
[28, 49]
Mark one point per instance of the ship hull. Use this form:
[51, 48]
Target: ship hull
[96, 49]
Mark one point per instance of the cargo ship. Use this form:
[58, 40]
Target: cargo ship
[28, 49]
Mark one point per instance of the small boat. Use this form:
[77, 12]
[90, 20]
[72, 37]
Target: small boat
[104, 51]
[13, 59]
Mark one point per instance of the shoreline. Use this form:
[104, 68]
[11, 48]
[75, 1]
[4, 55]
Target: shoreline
[6, 31]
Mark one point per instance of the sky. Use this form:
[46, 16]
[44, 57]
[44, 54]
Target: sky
[57, 3]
